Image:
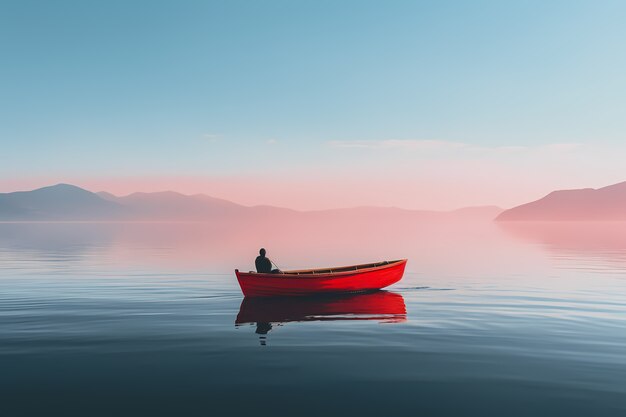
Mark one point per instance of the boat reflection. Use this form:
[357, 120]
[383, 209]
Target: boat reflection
[382, 306]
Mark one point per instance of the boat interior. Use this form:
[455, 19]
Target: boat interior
[341, 268]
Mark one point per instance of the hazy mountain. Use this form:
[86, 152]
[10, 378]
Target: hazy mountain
[58, 202]
[606, 204]
[169, 205]
[106, 196]
[478, 212]
[67, 202]
[466, 213]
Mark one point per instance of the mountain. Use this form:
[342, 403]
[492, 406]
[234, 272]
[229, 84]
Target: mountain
[588, 204]
[478, 212]
[57, 202]
[169, 205]
[374, 213]
[106, 196]
[64, 202]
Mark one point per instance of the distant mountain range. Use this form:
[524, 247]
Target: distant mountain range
[65, 202]
[58, 202]
[588, 204]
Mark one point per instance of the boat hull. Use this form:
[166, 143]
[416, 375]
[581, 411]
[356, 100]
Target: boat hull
[303, 283]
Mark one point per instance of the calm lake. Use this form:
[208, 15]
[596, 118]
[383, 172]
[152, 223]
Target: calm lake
[147, 319]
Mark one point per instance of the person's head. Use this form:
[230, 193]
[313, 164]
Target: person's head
[262, 252]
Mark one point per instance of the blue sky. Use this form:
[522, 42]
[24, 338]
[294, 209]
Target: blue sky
[272, 89]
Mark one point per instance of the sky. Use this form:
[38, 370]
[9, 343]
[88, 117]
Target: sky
[315, 104]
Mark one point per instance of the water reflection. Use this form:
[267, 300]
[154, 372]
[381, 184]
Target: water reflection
[146, 311]
[220, 247]
[265, 312]
[598, 245]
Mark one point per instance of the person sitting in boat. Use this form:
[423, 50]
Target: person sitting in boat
[264, 265]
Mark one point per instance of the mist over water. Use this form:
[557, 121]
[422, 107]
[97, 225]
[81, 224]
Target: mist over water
[516, 319]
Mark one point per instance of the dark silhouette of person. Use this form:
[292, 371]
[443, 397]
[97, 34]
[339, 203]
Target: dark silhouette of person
[263, 264]
[263, 327]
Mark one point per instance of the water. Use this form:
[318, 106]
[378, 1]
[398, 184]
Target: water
[140, 319]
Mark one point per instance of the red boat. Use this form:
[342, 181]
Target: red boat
[344, 279]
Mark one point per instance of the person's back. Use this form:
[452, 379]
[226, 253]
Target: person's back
[263, 264]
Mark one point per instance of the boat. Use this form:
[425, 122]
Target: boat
[382, 306]
[344, 279]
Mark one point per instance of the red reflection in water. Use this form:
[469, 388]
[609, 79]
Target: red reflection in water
[383, 306]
